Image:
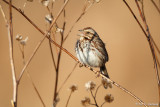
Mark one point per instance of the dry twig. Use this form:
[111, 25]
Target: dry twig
[155, 6]
[94, 98]
[155, 59]
[149, 38]
[10, 38]
[30, 78]
[84, 10]
[59, 58]
[69, 98]
[67, 78]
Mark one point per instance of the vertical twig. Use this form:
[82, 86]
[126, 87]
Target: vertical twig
[59, 58]
[150, 43]
[94, 99]
[68, 99]
[4, 16]
[51, 50]
[149, 38]
[15, 90]
[50, 12]
[57, 70]
[50, 46]
[10, 38]
[97, 90]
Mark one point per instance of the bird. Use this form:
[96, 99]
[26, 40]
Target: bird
[91, 51]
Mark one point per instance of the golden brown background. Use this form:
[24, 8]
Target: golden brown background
[130, 60]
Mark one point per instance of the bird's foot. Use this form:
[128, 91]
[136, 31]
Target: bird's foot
[81, 65]
[98, 74]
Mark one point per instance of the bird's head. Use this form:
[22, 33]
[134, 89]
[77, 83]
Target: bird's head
[88, 33]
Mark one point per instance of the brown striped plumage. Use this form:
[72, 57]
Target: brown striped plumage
[91, 50]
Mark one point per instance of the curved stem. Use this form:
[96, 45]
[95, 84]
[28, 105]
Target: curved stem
[97, 90]
[94, 99]
[67, 78]
[102, 104]
[68, 99]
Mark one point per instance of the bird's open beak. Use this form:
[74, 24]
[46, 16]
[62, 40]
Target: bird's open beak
[81, 34]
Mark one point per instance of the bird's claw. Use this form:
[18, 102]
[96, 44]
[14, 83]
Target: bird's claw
[81, 65]
[98, 74]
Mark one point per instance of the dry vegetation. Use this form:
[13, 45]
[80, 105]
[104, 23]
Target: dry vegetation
[52, 29]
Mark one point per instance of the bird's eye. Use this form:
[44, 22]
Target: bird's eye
[87, 32]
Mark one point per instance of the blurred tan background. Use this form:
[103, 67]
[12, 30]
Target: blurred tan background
[130, 60]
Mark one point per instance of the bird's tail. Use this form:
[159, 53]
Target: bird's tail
[103, 70]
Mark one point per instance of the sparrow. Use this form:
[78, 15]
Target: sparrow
[91, 51]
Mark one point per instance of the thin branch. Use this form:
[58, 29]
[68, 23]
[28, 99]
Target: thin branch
[30, 58]
[10, 37]
[59, 58]
[147, 36]
[63, 49]
[57, 71]
[50, 46]
[68, 99]
[135, 18]
[51, 50]
[84, 10]
[34, 86]
[49, 10]
[3, 14]
[155, 45]
[92, 104]
[150, 42]
[156, 6]
[15, 86]
[67, 78]
[45, 35]
[10, 22]
[141, 25]
[30, 78]
[97, 90]
[147, 30]
[94, 99]
[102, 104]
[61, 10]
[52, 33]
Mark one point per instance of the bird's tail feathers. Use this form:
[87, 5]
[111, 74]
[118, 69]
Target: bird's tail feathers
[103, 70]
